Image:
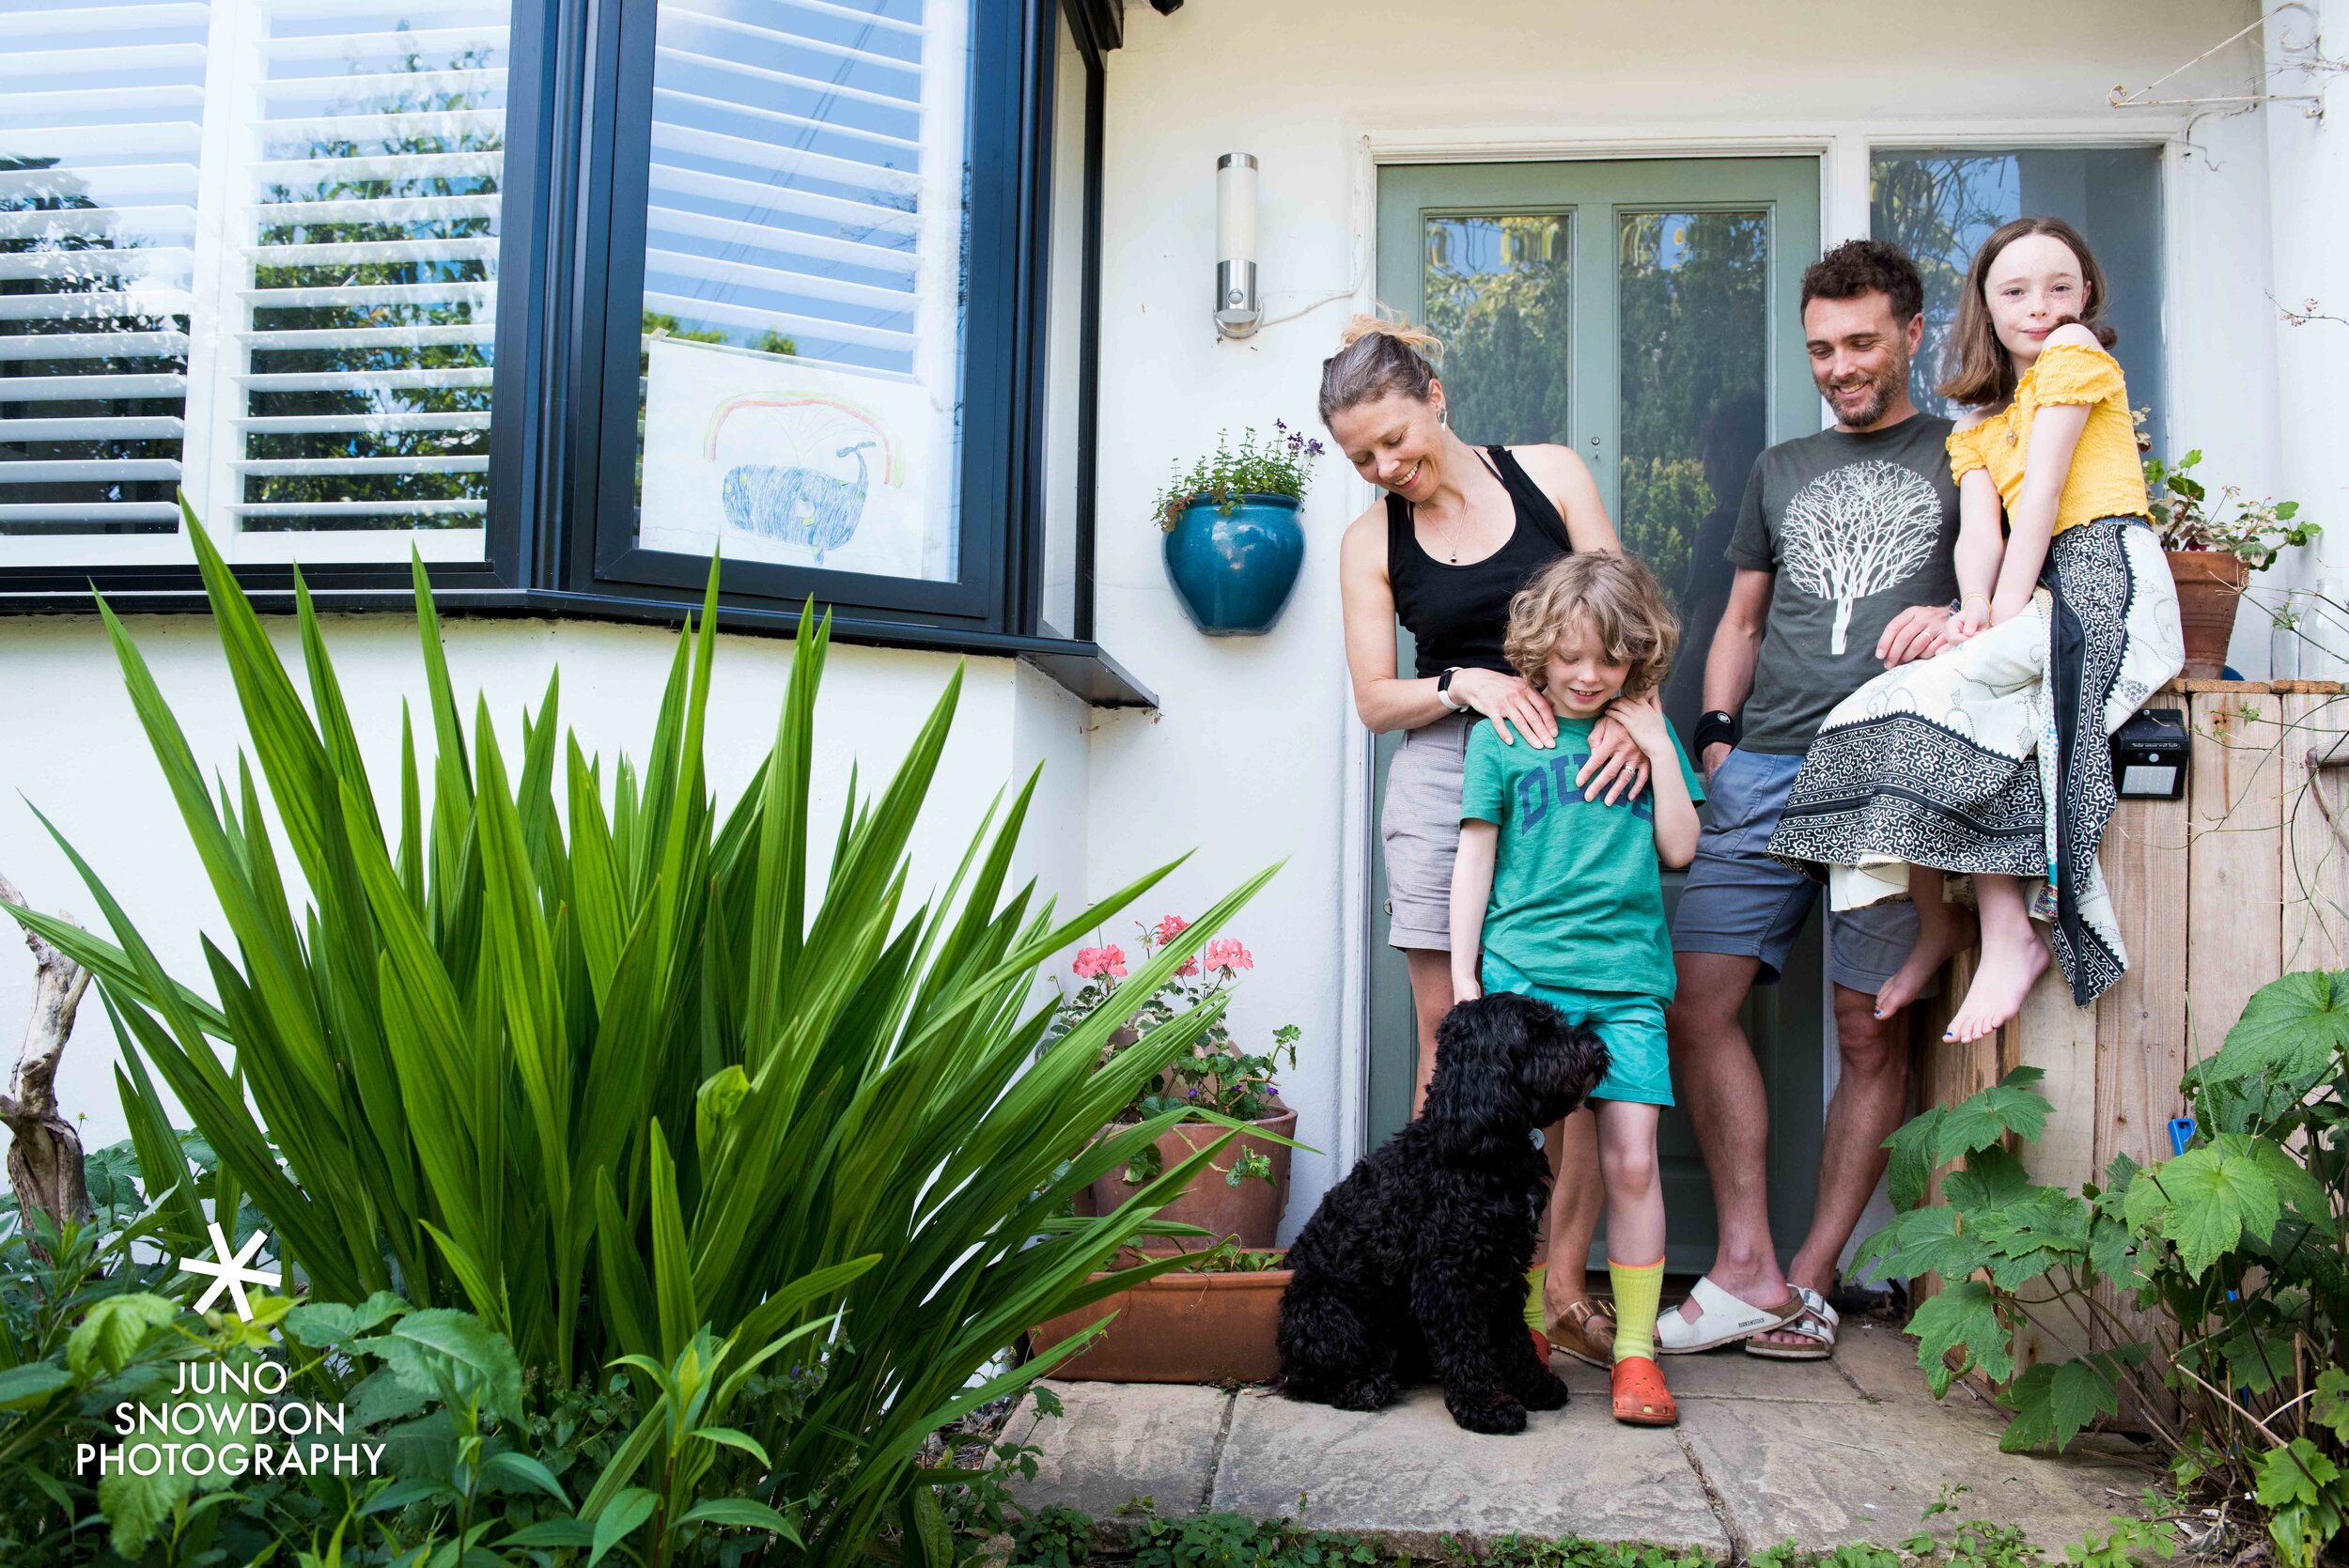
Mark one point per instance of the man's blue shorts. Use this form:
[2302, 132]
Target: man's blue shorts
[1741, 902]
[1632, 1026]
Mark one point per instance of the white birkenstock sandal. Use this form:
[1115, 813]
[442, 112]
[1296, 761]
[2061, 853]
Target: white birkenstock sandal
[1722, 1319]
[1816, 1322]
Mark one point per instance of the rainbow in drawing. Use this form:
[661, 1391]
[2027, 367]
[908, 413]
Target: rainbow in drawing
[892, 464]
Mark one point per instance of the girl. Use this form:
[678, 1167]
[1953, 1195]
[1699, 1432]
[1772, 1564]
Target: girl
[1456, 531]
[1990, 759]
[1563, 896]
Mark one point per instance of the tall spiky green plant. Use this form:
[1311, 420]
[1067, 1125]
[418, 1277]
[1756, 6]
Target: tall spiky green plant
[610, 1070]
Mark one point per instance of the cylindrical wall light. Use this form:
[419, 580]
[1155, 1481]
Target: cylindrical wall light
[1237, 312]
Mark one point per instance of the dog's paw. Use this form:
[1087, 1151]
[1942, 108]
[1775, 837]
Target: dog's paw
[1546, 1393]
[1368, 1393]
[1502, 1417]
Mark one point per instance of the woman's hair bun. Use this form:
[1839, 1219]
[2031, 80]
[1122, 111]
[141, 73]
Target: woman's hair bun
[1418, 339]
[1378, 356]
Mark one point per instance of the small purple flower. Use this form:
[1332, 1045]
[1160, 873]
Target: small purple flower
[1279, 425]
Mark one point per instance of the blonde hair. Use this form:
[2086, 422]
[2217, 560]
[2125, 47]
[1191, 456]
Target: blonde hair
[1379, 355]
[1620, 599]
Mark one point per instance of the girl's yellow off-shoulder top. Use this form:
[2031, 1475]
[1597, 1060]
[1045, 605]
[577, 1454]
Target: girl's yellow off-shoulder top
[2106, 481]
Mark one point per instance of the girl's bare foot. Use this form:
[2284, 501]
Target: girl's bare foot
[1939, 936]
[2012, 962]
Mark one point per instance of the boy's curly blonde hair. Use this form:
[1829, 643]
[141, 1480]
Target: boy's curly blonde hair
[1620, 599]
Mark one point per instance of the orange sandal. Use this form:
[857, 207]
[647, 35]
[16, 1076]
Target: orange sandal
[1641, 1397]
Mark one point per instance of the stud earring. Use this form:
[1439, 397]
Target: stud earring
[1443, 416]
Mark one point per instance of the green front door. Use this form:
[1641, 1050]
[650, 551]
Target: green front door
[1641, 312]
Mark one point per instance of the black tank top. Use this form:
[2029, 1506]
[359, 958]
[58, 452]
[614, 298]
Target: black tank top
[1459, 615]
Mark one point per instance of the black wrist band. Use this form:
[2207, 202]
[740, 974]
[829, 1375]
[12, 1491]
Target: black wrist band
[1716, 726]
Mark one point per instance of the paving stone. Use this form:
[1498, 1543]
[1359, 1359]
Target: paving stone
[1827, 1475]
[1731, 1374]
[1881, 1361]
[1408, 1475]
[1118, 1441]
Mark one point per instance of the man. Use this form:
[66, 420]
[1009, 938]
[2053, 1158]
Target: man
[1843, 556]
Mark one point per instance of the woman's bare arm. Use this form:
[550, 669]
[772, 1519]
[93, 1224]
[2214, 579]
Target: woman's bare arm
[1387, 702]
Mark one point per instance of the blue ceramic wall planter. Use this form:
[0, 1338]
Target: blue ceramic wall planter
[1234, 572]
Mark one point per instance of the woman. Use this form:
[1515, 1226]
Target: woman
[1990, 760]
[1458, 531]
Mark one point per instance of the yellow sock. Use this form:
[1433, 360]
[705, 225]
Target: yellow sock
[1534, 1318]
[1638, 1292]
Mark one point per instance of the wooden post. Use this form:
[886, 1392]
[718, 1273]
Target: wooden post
[45, 1157]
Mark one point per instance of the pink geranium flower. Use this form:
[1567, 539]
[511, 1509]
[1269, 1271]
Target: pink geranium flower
[1113, 961]
[1227, 955]
[1172, 927]
[1088, 964]
[1190, 966]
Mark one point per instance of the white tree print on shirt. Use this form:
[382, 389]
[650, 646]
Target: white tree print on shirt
[1859, 530]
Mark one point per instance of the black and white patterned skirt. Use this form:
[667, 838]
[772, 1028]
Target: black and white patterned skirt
[1993, 756]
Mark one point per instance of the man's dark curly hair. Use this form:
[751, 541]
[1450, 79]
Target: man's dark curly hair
[1859, 267]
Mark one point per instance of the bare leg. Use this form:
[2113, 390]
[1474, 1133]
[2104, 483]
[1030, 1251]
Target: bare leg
[1943, 930]
[1720, 1087]
[1635, 1196]
[1871, 1100]
[1577, 1197]
[2013, 959]
[1431, 999]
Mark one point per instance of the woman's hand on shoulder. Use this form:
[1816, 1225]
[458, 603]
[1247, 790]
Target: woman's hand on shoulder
[1565, 478]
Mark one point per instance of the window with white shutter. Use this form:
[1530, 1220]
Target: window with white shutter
[358, 295]
[249, 247]
[100, 135]
[803, 257]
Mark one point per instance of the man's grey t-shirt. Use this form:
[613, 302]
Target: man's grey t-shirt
[1858, 525]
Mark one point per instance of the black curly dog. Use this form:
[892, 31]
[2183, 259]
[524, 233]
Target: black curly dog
[1415, 1262]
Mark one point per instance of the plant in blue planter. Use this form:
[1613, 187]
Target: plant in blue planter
[1233, 543]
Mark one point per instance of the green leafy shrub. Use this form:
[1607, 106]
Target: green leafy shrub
[1278, 464]
[619, 1075]
[2240, 1245]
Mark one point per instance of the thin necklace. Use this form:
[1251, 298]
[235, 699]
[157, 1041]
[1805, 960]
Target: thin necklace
[1448, 542]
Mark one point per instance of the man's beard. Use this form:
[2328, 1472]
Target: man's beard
[1881, 392]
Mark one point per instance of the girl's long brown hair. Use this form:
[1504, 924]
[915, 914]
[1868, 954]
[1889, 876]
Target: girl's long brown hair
[1976, 368]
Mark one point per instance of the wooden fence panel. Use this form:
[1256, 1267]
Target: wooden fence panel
[2217, 894]
[2234, 905]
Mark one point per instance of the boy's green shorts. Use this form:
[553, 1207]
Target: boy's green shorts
[1638, 1055]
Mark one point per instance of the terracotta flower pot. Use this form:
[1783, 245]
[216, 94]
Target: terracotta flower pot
[2210, 588]
[1176, 1329]
[1250, 1212]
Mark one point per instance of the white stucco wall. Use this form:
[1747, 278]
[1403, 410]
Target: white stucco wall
[2308, 174]
[74, 749]
[1258, 754]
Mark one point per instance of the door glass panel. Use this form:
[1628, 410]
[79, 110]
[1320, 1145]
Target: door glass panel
[1501, 295]
[1939, 206]
[1694, 332]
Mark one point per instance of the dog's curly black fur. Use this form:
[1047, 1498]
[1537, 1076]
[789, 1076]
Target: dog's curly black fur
[1415, 1262]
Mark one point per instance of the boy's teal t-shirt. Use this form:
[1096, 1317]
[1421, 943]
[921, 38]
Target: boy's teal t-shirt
[1577, 894]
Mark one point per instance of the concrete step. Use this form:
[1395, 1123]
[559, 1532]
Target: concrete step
[1823, 1453]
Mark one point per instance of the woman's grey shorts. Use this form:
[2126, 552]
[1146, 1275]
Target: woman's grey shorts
[1420, 825]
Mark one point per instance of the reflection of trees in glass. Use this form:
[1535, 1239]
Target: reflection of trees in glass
[1939, 209]
[81, 256]
[1500, 294]
[438, 340]
[1694, 336]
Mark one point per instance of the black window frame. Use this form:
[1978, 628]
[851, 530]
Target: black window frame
[562, 437]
